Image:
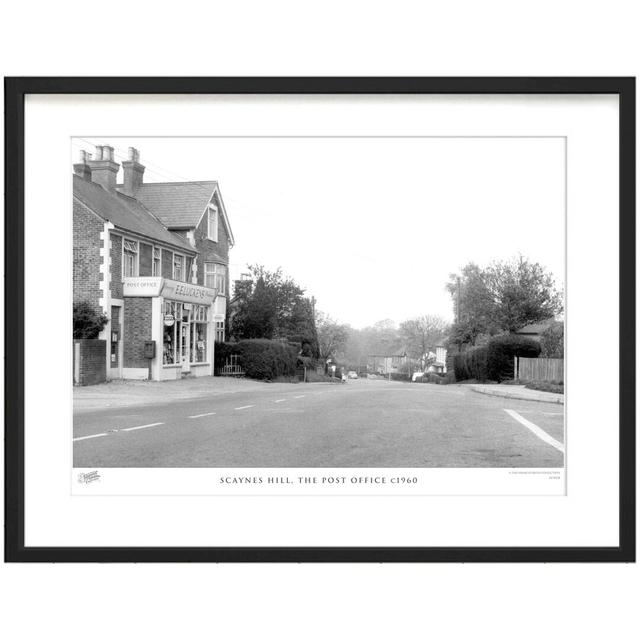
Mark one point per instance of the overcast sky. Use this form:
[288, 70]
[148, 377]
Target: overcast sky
[372, 227]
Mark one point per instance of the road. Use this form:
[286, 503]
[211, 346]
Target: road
[363, 423]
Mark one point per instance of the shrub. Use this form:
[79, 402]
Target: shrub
[400, 377]
[266, 359]
[552, 341]
[494, 361]
[501, 351]
[87, 322]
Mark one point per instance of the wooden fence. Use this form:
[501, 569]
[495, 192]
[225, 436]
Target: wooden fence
[539, 369]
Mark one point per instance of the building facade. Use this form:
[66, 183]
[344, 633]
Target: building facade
[154, 259]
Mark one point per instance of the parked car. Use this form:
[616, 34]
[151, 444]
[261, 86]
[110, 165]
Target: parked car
[352, 375]
[416, 376]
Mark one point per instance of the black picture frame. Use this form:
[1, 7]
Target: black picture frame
[15, 91]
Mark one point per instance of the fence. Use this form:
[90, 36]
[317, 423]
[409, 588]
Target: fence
[539, 368]
[231, 367]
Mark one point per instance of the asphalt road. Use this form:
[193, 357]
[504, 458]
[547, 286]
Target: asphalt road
[362, 423]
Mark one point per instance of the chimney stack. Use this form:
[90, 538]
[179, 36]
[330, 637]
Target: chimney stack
[133, 173]
[81, 168]
[104, 169]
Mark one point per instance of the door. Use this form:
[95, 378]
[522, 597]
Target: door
[185, 339]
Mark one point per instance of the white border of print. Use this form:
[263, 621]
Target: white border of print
[56, 518]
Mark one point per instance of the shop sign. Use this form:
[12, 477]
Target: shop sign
[142, 287]
[187, 292]
[169, 320]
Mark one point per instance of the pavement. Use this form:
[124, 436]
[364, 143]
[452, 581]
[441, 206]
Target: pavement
[517, 392]
[217, 422]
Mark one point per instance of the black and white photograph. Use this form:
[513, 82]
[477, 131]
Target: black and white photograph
[343, 302]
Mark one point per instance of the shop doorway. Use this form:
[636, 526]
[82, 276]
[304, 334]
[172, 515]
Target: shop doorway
[185, 339]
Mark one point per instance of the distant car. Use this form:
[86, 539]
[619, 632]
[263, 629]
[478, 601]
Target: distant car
[416, 376]
[352, 375]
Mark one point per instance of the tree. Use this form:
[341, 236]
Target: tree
[522, 293]
[552, 341]
[271, 306]
[504, 296]
[422, 335]
[332, 336]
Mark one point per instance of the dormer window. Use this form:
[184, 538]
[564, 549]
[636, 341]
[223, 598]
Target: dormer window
[212, 223]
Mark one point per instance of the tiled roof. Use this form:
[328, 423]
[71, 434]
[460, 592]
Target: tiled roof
[177, 204]
[125, 213]
[537, 327]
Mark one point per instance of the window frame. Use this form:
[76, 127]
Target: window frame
[126, 252]
[184, 264]
[211, 208]
[156, 273]
[221, 290]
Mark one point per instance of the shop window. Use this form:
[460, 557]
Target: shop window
[155, 267]
[130, 258]
[171, 314]
[212, 223]
[199, 334]
[215, 276]
[178, 267]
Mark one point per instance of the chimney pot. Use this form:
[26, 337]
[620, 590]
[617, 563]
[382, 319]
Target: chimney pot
[103, 169]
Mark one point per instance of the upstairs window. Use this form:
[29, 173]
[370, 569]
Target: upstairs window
[215, 277]
[155, 267]
[129, 258]
[178, 267]
[212, 223]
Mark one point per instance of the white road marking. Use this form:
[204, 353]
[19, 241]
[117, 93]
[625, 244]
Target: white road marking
[281, 400]
[247, 406]
[143, 426]
[543, 435]
[298, 396]
[202, 415]
[97, 435]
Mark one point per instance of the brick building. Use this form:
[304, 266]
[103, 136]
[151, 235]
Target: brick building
[154, 259]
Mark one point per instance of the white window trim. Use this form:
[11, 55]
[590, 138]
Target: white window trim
[173, 265]
[137, 269]
[226, 270]
[214, 236]
[155, 248]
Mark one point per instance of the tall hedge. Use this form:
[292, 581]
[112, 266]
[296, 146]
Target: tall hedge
[494, 361]
[261, 359]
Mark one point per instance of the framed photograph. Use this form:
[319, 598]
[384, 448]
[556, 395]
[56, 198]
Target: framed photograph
[320, 319]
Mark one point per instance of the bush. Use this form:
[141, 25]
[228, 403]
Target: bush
[552, 341]
[266, 359]
[400, 377]
[260, 359]
[494, 361]
[87, 322]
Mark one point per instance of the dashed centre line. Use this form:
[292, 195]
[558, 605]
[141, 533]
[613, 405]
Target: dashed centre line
[298, 396]
[143, 426]
[97, 435]
[202, 415]
[247, 406]
[281, 400]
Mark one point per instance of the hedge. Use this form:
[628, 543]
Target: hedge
[260, 359]
[494, 361]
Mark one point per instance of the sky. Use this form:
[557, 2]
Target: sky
[372, 227]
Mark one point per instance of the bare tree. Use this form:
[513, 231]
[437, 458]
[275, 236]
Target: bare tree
[422, 335]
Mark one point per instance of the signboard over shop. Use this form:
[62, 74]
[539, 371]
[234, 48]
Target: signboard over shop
[145, 287]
